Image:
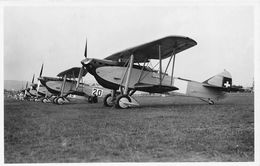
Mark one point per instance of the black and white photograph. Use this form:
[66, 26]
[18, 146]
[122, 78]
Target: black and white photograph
[129, 82]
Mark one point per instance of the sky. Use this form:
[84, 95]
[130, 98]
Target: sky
[56, 36]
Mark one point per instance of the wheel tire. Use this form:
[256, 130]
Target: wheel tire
[90, 99]
[54, 100]
[95, 99]
[211, 102]
[44, 100]
[107, 101]
[120, 101]
[60, 100]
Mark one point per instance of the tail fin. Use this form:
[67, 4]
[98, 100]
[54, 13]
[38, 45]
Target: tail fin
[222, 79]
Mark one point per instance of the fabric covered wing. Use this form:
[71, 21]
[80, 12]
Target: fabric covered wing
[168, 45]
[72, 72]
[154, 88]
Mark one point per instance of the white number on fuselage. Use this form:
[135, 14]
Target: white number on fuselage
[97, 92]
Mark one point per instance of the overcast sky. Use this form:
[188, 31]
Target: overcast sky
[57, 35]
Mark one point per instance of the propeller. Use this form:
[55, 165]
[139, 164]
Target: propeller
[25, 91]
[32, 82]
[41, 71]
[38, 83]
[82, 68]
[86, 48]
[33, 79]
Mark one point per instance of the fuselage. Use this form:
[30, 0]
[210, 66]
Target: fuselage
[112, 74]
[54, 85]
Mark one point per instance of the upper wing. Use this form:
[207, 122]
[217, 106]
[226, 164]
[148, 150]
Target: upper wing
[169, 45]
[72, 72]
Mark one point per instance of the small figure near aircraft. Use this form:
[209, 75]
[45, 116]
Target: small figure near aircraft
[129, 71]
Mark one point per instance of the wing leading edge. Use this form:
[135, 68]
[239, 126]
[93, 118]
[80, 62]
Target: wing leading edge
[72, 72]
[169, 45]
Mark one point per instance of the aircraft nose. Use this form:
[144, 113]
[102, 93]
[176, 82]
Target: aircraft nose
[86, 61]
[40, 79]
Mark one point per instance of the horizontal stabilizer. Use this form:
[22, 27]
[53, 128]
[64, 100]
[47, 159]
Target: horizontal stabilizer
[229, 89]
[217, 87]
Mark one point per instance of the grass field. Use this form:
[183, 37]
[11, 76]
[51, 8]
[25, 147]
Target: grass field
[167, 129]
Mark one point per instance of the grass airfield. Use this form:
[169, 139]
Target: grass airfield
[162, 129]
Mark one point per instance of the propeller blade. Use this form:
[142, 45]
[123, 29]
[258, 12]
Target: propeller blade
[25, 91]
[41, 71]
[38, 86]
[33, 79]
[86, 48]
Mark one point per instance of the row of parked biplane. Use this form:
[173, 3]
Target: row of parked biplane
[124, 73]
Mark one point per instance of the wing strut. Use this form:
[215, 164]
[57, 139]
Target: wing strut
[129, 74]
[160, 65]
[63, 85]
[168, 65]
[173, 62]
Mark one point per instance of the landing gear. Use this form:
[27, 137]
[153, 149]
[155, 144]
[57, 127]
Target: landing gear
[54, 100]
[44, 100]
[211, 102]
[95, 99]
[60, 100]
[92, 99]
[121, 101]
[108, 100]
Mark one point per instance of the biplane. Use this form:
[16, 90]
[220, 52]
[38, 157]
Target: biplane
[65, 84]
[30, 93]
[130, 70]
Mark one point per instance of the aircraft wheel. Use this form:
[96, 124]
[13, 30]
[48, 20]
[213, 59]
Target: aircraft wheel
[211, 102]
[95, 99]
[60, 100]
[108, 100]
[53, 100]
[90, 99]
[121, 100]
[44, 100]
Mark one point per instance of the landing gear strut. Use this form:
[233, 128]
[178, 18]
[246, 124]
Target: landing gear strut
[109, 99]
[121, 101]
